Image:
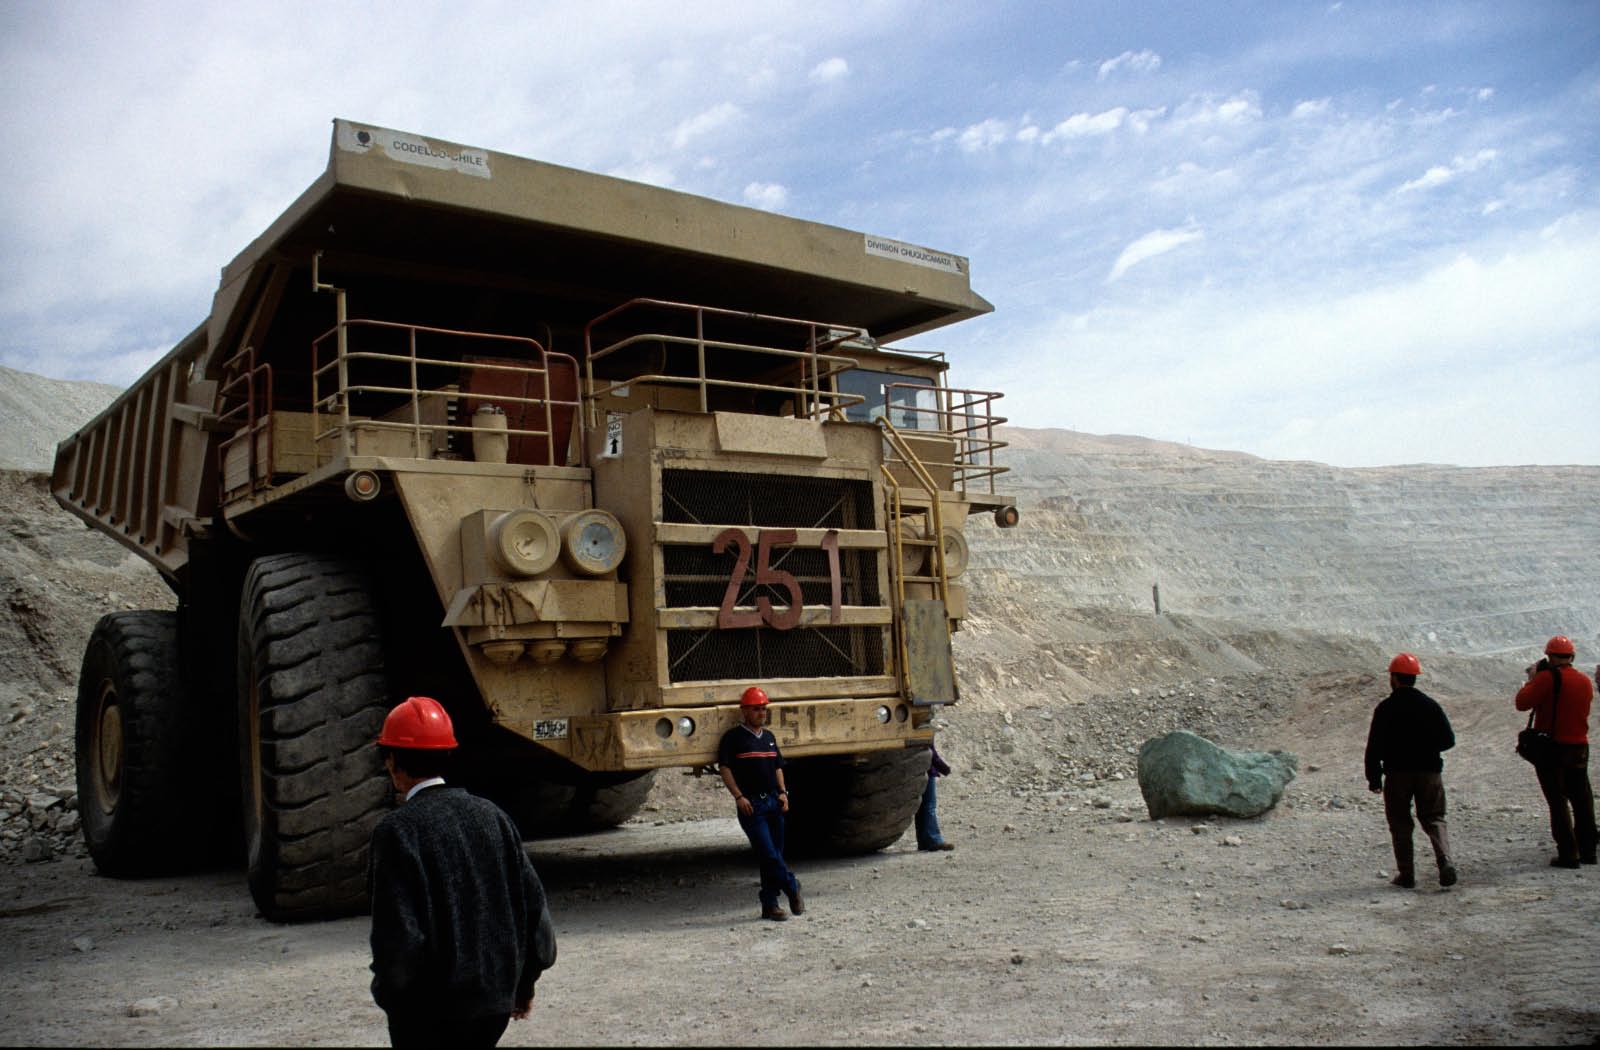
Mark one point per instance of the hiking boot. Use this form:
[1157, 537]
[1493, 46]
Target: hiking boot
[1563, 862]
[1404, 880]
[1447, 875]
[797, 903]
[775, 913]
[1587, 858]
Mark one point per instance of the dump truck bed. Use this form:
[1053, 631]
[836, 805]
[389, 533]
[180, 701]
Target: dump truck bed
[434, 217]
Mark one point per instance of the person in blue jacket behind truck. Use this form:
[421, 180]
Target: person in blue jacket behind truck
[752, 769]
[929, 838]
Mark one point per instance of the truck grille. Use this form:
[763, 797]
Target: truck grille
[769, 501]
[694, 576]
[760, 652]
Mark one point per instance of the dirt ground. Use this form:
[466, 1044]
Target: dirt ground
[1063, 916]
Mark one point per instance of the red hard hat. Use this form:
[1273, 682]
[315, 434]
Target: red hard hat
[755, 696]
[1405, 663]
[418, 724]
[1560, 645]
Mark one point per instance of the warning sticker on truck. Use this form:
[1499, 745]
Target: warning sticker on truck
[913, 253]
[409, 149]
[613, 446]
[550, 729]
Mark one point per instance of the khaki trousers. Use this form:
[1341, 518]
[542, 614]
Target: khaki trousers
[1427, 789]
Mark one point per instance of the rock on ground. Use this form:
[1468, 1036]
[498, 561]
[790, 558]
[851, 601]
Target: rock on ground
[1181, 774]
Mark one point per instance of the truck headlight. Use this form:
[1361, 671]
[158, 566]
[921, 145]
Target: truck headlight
[523, 543]
[593, 542]
[956, 552]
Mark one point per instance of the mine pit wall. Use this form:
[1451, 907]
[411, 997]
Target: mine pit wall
[1477, 560]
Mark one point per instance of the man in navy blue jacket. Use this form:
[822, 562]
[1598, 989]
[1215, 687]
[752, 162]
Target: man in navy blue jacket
[460, 926]
[752, 769]
[1409, 731]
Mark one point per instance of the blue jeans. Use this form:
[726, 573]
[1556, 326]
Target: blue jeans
[764, 828]
[928, 817]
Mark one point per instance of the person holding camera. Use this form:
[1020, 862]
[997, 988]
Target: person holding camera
[1403, 762]
[1559, 695]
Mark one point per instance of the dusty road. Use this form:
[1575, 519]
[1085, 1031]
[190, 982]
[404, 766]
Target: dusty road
[1065, 917]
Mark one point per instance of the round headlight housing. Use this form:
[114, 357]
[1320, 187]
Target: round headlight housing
[956, 552]
[592, 542]
[523, 543]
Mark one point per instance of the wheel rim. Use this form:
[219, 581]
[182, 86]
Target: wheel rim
[108, 750]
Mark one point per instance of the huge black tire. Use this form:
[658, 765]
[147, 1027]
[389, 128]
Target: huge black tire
[312, 698]
[543, 808]
[129, 744]
[843, 804]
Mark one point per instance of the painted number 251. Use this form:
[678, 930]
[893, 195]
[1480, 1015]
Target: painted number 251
[766, 576]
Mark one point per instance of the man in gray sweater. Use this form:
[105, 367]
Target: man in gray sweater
[460, 926]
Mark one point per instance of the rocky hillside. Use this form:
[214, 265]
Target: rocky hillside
[1472, 560]
[37, 412]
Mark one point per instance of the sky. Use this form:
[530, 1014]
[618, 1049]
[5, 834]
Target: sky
[1358, 233]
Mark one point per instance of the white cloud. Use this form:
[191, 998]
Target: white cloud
[1238, 109]
[1085, 125]
[1440, 174]
[1136, 61]
[1309, 108]
[1485, 94]
[983, 136]
[1437, 175]
[1190, 179]
[769, 196]
[1152, 244]
[705, 122]
[829, 70]
[1141, 119]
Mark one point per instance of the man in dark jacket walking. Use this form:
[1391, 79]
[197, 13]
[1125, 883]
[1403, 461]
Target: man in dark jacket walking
[460, 926]
[1409, 731]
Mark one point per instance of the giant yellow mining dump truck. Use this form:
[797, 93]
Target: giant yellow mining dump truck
[579, 457]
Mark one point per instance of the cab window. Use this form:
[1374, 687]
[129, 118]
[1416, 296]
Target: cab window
[909, 409]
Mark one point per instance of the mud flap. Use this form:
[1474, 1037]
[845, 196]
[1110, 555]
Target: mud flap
[930, 667]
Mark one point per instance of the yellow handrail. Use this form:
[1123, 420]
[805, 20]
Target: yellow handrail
[939, 578]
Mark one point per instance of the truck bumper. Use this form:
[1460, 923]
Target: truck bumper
[688, 736]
